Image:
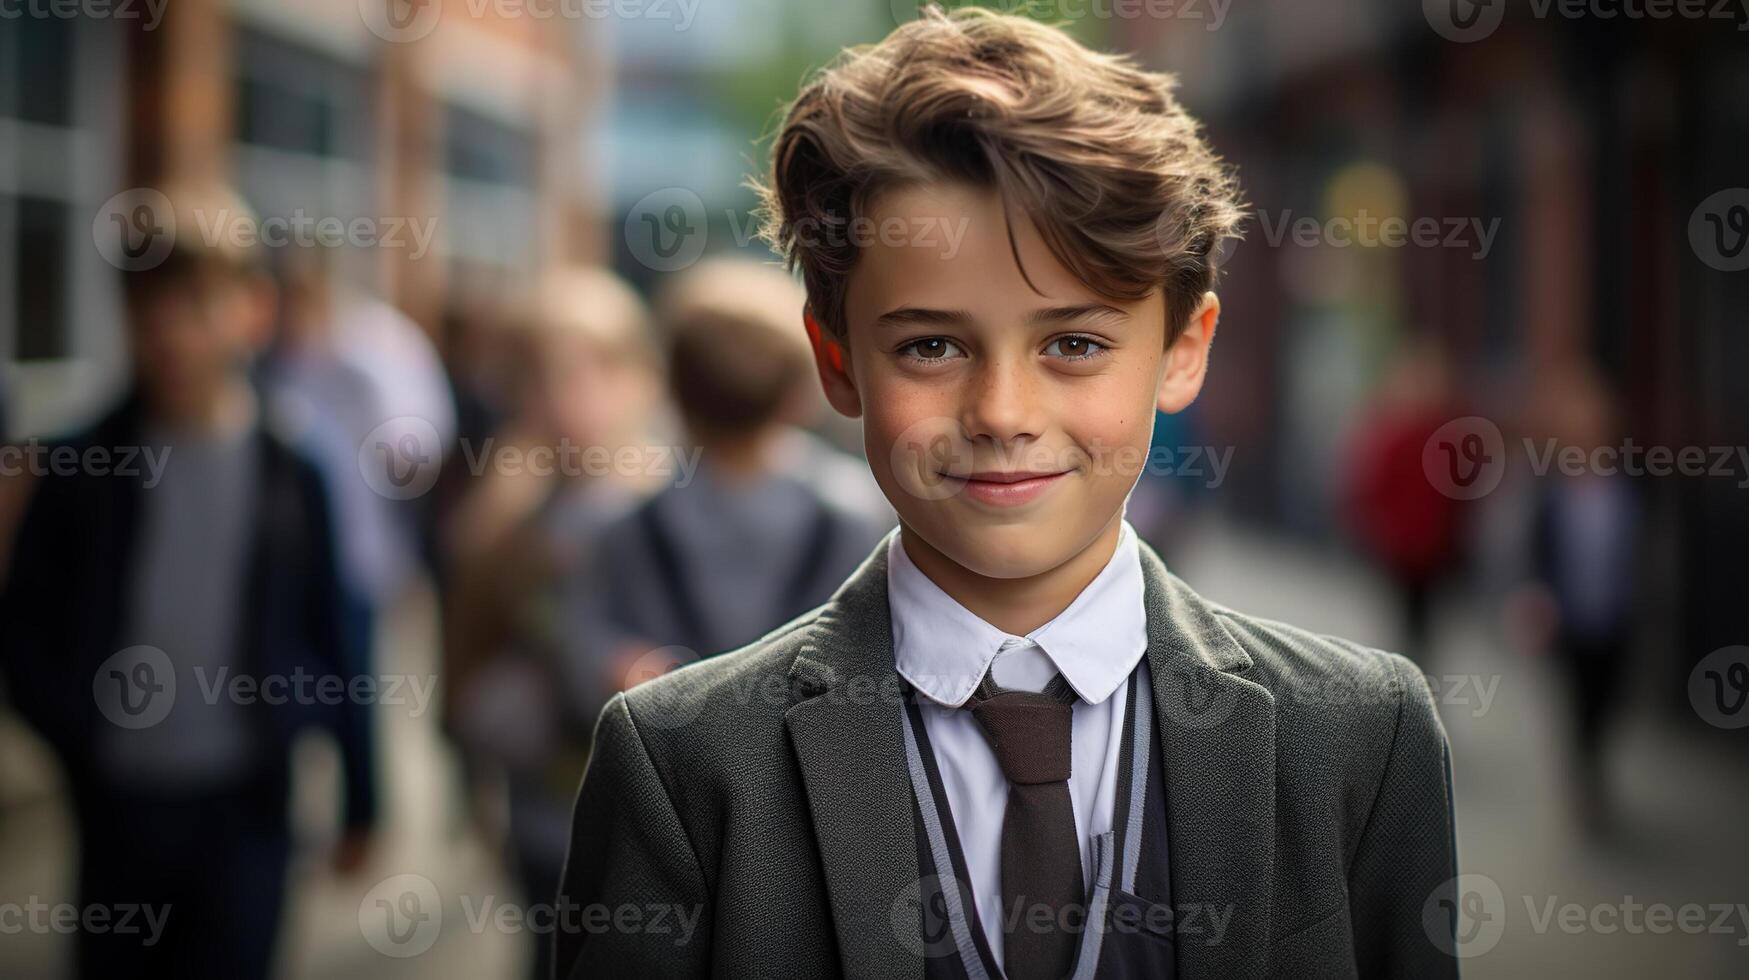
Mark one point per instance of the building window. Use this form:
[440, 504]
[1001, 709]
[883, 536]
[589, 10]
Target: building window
[480, 148]
[299, 100]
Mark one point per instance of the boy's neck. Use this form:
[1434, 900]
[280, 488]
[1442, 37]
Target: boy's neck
[1015, 605]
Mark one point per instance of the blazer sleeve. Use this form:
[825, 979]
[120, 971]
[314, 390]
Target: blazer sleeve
[633, 900]
[1407, 851]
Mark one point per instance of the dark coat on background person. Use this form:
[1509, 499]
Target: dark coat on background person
[64, 605]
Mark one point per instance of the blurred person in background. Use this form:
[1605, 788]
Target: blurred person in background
[1408, 527]
[774, 518]
[367, 390]
[1584, 554]
[807, 446]
[516, 541]
[194, 548]
[475, 346]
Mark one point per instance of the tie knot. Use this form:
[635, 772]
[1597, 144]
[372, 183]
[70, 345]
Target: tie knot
[1029, 732]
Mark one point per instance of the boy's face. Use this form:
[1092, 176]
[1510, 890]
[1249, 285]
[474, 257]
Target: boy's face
[192, 333]
[1006, 426]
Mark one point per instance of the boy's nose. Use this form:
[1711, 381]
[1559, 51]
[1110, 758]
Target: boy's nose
[1003, 403]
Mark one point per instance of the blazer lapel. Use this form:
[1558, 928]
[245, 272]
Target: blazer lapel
[1217, 730]
[847, 737]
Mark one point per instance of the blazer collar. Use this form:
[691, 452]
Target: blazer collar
[1215, 727]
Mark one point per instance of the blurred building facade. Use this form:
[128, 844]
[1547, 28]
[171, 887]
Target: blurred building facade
[445, 113]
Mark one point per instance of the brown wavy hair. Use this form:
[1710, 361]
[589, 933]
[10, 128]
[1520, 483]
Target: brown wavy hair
[1117, 177]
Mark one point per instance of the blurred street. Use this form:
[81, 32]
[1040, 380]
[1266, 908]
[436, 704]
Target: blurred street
[1515, 823]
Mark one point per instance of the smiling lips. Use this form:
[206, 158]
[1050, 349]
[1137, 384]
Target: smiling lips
[1006, 489]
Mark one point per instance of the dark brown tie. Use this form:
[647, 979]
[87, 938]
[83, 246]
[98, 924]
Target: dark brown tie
[1041, 853]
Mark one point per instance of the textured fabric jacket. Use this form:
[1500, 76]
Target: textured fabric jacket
[751, 815]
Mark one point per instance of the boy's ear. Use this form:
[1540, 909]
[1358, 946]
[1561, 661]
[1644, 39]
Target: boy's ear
[1187, 358]
[834, 368]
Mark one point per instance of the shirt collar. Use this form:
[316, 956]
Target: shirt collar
[944, 649]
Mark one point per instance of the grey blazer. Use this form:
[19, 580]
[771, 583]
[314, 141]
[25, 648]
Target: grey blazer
[751, 815]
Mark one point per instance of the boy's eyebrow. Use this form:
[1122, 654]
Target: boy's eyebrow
[911, 315]
[1064, 314]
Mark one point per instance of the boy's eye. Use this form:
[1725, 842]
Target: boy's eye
[1074, 348]
[931, 349]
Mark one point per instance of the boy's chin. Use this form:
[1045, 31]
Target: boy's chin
[1010, 550]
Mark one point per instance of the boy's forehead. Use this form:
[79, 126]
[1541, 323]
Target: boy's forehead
[946, 246]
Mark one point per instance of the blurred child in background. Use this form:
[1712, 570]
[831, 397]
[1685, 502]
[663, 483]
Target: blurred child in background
[1409, 528]
[539, 492]
[1584, 550]
[773, 518]
[198, 552]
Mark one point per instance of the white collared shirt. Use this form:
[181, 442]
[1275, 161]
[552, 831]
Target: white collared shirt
[943, 650]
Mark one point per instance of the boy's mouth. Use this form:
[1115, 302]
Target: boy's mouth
[1005, 488]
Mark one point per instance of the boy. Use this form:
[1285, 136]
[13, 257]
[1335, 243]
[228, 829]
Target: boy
[207, 565]
[1012, 744]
